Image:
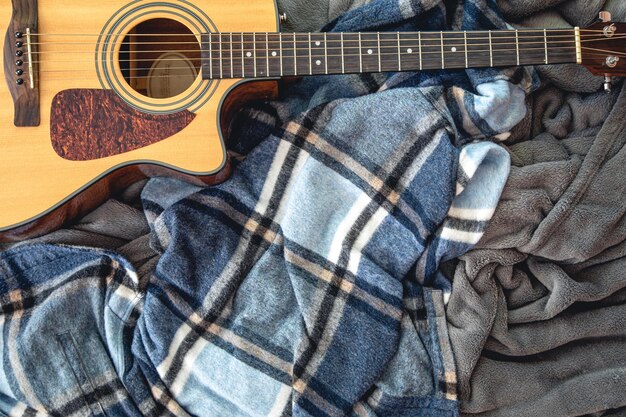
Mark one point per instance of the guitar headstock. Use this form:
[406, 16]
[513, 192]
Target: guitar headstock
[603, 47]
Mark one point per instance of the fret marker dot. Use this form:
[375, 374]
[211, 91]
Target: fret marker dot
[453, 49]
[318, 62]
[273, 53]
[408, 51]
[369, 51]
[248, 54]
[317, 43]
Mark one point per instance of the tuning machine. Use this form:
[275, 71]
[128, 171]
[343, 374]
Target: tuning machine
[607, 83]
[611, 61]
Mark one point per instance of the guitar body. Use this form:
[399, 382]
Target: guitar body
[106, 118]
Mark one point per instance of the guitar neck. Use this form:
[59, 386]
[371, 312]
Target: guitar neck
[260, 55]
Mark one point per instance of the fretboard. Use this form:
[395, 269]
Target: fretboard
[260, 55]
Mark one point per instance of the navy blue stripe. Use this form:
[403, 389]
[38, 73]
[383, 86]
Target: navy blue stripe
[232, 200]
[149, 205]
[395, 300]
[259, 340]
[431, 261]
[481, 124]
[311, 408]
[350, 299]
[90, 398]
[29, 300]
[329, 395]
[252, 361]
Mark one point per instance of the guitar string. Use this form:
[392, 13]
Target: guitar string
[456, 66]
[403, 46]
[288, 39]
[300, 33]
[459, 66]
[436, 44]
[606, 51]
[425, 55]
[392, 42]
[413, 60]
[539, 55]
[322, 48]
[414, 53]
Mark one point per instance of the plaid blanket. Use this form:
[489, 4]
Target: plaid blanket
[307, 284]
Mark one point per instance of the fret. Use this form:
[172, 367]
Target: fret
[490, 51]
[443, 59]
[351, 53]
[220, 46]
[419, 40]
[243, 64]
[343, 65]
[380, 68]
[210, 56]
[399, 53]
[465, 44]
[232, 72]
[280, 46]
[517, 46]
[360, 54]
[310, 56]
[295, 55]
[325, 54]
[545, 42]
[267, 53]
[254, 52]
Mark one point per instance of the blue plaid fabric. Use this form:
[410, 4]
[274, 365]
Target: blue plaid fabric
[308, 284]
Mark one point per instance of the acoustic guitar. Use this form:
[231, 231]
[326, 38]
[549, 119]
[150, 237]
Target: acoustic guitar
[101, 94]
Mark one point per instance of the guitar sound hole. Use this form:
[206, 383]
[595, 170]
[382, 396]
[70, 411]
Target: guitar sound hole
[160, 58]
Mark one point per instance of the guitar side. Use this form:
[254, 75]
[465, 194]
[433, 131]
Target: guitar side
[49, 175]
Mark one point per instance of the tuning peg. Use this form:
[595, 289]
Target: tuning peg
[607, 83]
[605, 16]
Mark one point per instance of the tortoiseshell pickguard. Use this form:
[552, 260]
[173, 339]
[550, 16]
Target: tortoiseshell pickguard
[88, 124]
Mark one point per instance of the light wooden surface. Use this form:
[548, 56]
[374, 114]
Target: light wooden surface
[33, 178]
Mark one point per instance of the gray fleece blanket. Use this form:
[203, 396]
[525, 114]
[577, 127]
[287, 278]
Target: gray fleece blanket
[537, 311]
